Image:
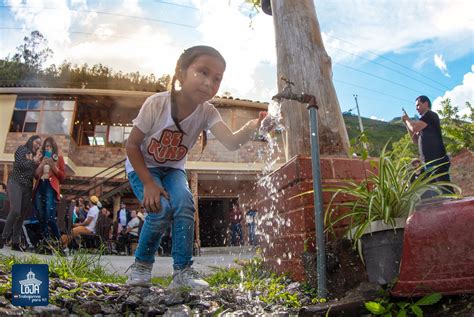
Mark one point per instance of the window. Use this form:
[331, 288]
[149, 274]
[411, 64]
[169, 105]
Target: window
[42, 116]
[93, 134]
[118, 135]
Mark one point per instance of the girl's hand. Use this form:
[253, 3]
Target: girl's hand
[261, 116]
[152, 195]
[254, 124]
[37, 158]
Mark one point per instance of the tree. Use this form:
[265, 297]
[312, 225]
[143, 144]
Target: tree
[458, 130]
[302, 58]
[33, 52]
[404, 150]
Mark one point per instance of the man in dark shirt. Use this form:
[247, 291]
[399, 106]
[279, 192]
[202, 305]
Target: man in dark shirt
[426, 133]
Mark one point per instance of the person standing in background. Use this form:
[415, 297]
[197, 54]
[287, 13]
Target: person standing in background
[251, 220]
[426, 133]
[49, 174]
[236, 226]
[20, 188]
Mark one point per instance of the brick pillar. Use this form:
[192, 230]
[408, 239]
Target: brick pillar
[286, 210]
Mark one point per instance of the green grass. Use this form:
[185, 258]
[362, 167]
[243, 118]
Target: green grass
[81, 267]
[252, 277]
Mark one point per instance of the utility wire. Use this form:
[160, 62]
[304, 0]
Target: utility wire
[177, 5]
[390, 68]
[376, 76]
[89, 34]
[370, 89]
[106, 13]
[394, 62]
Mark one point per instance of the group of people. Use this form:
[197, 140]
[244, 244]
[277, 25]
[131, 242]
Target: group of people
[166, 128]
[33, 191]
[96, 221]
[37, 172]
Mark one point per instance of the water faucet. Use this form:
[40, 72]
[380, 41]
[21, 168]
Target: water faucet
[286, 93]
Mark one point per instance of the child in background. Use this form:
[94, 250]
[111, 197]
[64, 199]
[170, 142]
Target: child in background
[166, 128]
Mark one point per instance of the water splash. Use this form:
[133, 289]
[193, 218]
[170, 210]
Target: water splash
[270, 155]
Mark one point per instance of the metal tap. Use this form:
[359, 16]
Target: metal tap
[287, 94]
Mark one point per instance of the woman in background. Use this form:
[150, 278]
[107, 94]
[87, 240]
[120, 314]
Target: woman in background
[49, 174]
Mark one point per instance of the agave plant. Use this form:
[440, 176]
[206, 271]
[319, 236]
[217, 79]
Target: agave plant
[385, 195]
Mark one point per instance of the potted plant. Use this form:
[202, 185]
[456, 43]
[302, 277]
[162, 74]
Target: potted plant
[377, 210]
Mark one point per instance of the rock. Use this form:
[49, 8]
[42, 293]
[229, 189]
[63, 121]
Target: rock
[90, 307]
[158, 310]
[3, 301]
[171, 299]
[178, 311]
[49, 310]
[110, 309]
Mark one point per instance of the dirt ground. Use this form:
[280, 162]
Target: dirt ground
[345, 272]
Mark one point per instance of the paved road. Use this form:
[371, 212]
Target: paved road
[206, 263]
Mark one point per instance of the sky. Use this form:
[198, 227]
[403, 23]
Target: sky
[387, 52]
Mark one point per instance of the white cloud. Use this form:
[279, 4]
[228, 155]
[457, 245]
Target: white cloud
[459, 94]
[51, 18]
[245, 48]
[441, 64]
[395, 26]
[376, 118]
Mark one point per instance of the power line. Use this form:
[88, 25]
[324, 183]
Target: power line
[89, 34]
[378, 77]
[396, 63]
[106, 13]
[370, 89]
[392, 69]
[177, 5]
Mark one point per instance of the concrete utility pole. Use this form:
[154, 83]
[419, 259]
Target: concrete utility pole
[302, 58]
[361, 127]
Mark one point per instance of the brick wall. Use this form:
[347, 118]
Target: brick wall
[462, 171]
[14, 140]
[286, 209]
[101, 156]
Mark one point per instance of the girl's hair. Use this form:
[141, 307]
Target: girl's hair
[53, 143]
[186, 59]
[29, 143]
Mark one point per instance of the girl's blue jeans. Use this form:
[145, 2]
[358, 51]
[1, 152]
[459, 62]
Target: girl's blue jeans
[45, 203]
[178, 212]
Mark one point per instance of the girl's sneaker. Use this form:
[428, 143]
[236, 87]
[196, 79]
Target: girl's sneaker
[140, 274]
[188, 277]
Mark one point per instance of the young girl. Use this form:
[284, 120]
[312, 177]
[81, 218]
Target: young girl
[165, 129]
[50, 173]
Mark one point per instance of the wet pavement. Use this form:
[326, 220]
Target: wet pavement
[208, 262]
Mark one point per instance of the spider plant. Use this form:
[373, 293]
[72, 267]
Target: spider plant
[385, 195]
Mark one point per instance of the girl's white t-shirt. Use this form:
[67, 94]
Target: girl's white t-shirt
[164, 145]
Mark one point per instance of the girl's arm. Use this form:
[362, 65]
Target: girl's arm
[234, 140]
[151, 191]
[59, 169]
[24, 160]
[39, 169]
